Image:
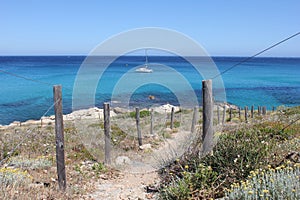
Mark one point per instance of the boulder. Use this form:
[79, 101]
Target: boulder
[119, 110]
[123, 160]
[145, 147]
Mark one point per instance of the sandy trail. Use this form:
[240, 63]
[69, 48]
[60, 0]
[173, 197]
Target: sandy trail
[136, 177]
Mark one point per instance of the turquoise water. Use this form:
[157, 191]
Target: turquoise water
[260, 81]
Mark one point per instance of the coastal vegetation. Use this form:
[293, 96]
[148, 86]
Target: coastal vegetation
[257, 159]
[249, 161]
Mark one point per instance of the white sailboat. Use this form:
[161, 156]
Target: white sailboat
[144, 68]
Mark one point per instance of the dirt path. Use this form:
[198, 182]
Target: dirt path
[134, 178]
[127, 186]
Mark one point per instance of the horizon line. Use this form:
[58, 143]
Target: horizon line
[82, 55]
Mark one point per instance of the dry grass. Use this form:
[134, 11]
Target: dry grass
[36, 157]
[36, 154]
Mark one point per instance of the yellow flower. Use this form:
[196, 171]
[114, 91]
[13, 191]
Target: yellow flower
[250, 192]
[269, 166]
[186, 166]
[265, 191]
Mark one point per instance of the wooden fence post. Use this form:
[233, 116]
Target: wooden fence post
[151, 122]
[264, 110]
[172, 118]
[259, 110]
[246, 114]
[107, 138]
[273, 108]
[59, 137]
[194, 121]
[137, 117]
[207, 98]
[252, 111]
[230, 114]
[239, 112]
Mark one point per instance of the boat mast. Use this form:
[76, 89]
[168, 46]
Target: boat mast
[146, 64]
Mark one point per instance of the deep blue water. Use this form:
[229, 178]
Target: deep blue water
[260, 81]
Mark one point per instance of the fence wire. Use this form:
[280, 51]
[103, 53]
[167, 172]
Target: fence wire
[25, 137]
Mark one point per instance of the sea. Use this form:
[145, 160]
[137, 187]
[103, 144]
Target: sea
[27, 82]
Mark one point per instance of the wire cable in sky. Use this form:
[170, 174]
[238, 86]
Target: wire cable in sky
[25, 78]
[30, 79]
[249, 58]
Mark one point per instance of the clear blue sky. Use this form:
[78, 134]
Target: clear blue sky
[222, 27]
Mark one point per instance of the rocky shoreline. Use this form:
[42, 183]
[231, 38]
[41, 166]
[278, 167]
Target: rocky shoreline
[97, 113]
[91, 113]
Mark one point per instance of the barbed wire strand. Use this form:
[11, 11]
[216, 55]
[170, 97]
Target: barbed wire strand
[11, 152]
[293, 122]
[31, 79]
[251, 57]
[25, 78]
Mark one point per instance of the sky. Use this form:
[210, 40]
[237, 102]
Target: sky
[223, 28]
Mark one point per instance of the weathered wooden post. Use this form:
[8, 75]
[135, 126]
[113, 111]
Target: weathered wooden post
[151, 122]
[172, 118]
[259, 110]
[207, 98]
[230, 114]
[273, 108]
[59, 137]
[246, 114]
[224, 115]
[137, 117]
[264, 110]
[252, 111]
[194, 121]
[107, 137]
[239, 112]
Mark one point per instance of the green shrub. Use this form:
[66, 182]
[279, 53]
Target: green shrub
[176, 124]
[99, 167]
[117, 134]
[184, 111]
[188, 181]
[13, 177]
[282, 182]
[235, 155]
[143, 113]
[26, 163]
[178, 189]
[293, 111]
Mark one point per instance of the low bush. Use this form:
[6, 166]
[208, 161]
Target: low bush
[283, 182]
[143, 113]
[235, 155]
[26, 163]
[13, 177]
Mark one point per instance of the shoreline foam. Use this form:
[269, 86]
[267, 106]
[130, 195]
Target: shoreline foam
[90, 113]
